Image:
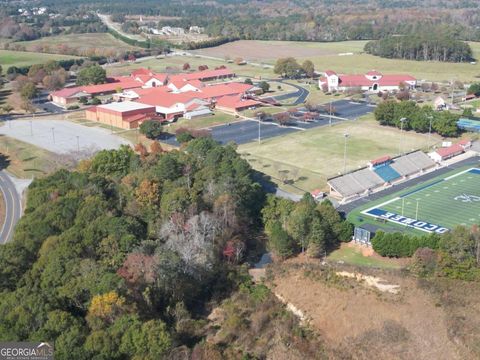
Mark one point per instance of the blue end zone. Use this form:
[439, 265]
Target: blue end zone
[406, 221]
[475, 171]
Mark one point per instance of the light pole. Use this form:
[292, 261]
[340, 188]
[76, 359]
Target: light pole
[31, 128]
[400, 143]
[346, 135]
[416, 211]
[78, 143]
[53, 134]
[430, 117]
[259, 130]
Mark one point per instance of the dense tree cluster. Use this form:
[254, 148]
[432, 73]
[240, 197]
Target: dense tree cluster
[304, 226]
[291, 69]
[402, 245]
[93, 74]
[418, 118]
[424, 46]
[114, 261]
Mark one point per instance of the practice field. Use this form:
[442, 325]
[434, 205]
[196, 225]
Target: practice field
[23, 58]
[437, 206]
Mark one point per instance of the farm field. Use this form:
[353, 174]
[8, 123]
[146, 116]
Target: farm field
[269, 51]
[325, 56]
[23, 58]
[80, 41]
[177, 62]
[303, 161]
[437, 206]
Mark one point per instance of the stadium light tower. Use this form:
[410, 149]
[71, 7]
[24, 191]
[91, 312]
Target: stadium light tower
[346, 135]
[400, 143]
[430, 118]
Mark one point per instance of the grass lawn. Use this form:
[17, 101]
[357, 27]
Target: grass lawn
[447, 201]
[317, 96]
[24, 58]
[177, 62]
[310, 157]
[26, 160]
[82, 41]
[354, 256]
[218, 118]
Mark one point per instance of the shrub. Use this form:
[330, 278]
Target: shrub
[73, 107]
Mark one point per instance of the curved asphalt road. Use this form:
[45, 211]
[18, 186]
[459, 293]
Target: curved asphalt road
[301, 94]
[13, 207]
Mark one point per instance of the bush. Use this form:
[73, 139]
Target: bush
[95, 101]
[73, 107]
[402, 245]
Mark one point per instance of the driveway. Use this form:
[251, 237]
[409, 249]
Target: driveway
[301, 94]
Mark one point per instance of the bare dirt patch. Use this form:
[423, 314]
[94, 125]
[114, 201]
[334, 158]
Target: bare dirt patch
[357, 321]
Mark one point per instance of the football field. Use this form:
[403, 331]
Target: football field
[438, 206]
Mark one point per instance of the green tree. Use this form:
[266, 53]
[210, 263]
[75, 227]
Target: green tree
[152, 129]
[280, 242]
[300, 220]
[474, 88]
[248, 81]
[28, 91]
[265, 86]
[113, 162]
[308, 68]
[93, 74]
[317, 239]
[288, 67]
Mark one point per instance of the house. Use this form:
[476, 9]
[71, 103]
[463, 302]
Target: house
[236, 103]
[373, 81]
[125, 115]
[208, 75]
[149, 78]
[178, 85]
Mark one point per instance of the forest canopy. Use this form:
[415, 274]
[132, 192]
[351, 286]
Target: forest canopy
[424, 46]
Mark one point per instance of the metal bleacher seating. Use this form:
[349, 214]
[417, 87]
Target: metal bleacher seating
[356, 183]
[412, 163]
[387, 173]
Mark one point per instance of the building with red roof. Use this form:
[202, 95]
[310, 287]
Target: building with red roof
[236, 103]
[172, 105]
[125, 115]
[445, 153]
[371, 81]
[68, 96]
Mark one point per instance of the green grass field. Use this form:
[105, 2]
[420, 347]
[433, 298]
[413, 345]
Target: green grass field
[310, 157]
[177, 62]
[23, 58]
[446, 201]
[353, 256]
[82, 41]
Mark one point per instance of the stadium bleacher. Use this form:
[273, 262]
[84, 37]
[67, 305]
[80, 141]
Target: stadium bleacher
[412, 163]
[366, 179]
[469, 124]
[387, 173]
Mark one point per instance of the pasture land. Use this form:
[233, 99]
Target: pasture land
[326, 56]
[102, 41]
[24, 58]
[176, 64]
[302, 161]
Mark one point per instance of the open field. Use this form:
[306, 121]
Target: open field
[177, 62]
[269, 51]
[24, 58]
[325, 56]
[80, 41]
[352, 254]
[27, 160]
[437, 205]
[310, 157]
[218, 118]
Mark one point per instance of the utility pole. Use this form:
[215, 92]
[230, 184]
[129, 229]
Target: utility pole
[53, 134]
[78, 143]
[31, 128]
[346, 135]
[259, 131]
[400, 143]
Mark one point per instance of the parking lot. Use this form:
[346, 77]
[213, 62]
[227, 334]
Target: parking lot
[61, 137]
[246, 131]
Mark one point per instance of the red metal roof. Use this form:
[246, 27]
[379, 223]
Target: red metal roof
[381, 160]
[330, 73]
[119, 82]
[236, 102]
[451, 150]
[385, 80]
[67, 92]
[167, 99]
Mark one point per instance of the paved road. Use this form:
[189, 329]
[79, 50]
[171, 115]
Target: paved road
[301, 94]
[13, 207]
